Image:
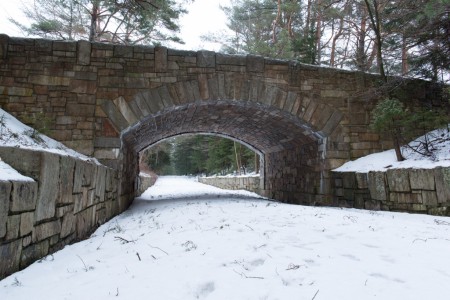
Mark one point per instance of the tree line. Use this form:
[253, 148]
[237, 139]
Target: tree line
[126, 22]
[390, 37]
[201, 154]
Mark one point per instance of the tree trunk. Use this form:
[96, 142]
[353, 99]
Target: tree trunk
[405, 66]
[94, 21]
[238, 165]
[319, 31]
[376, 25]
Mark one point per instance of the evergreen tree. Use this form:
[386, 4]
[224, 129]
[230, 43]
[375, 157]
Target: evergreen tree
[116, 21]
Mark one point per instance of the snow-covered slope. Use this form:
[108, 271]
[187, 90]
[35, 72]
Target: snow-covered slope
[14, 133]
[385, 160]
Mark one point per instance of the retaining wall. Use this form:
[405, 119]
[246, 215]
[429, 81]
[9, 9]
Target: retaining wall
[67, 200]
[251, 183]
[145, 181]
[408, 190]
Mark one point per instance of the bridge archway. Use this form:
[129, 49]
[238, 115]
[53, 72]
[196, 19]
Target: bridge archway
[274, 124]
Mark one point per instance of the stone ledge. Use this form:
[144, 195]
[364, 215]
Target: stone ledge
[410, 190]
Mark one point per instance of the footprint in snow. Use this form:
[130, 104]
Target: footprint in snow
[205, 289]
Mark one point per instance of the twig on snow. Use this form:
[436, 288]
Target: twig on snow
[293, 267]
[124, 241]
[248, 277]
[441, 222]
[137, 253]
[158, 249]
[315, 295]
[250, 227]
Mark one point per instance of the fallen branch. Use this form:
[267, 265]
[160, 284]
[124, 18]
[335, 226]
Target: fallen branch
[248, 277]
[124, 241]
[158, 249]
[440, 222]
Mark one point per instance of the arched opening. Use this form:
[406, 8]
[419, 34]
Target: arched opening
[289, 147]
[210, 157]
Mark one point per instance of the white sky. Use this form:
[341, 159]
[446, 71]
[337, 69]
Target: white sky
[204, 16]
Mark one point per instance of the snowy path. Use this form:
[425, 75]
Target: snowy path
[244, 249]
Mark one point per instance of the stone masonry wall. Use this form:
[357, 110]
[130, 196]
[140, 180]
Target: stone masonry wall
[67, 200]
[408, 190]
[145, 181]
[250, 183]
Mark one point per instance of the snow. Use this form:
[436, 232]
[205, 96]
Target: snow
[13, 133]
[8, 173]
[169, 189]
[232, 248]
[382, 161]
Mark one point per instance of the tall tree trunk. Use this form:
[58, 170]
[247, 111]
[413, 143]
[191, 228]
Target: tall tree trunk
[238, 164]
[361, 58]
[374, 15]
[319, 31]
[308, 18]
[335, 38]
[94, 21]
[405, 66]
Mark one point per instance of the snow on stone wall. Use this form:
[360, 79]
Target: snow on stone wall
[67, 199]
[250, 183]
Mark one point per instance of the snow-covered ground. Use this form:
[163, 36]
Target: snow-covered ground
[225, 248]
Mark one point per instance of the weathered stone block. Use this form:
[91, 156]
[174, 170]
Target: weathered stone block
[125, 110]
[255, 63]
[100, 183]
[442, 178]
[46, 230]
[422, 179]
[362, 180]
[372, 204]
[5, 192]
[66, 175]
[48, 187]
[377, 185]
[26, 223]
[84, 174]
[85, 221]
[398, 180]
[206, 59]
[80, 110]
[349, 180]
[406, 198]
[82, 86]
[161, 59]
[10, 257]
[84, 52]
[12, 227]
[26, 162]
[33, 252]
[24, 196]
[429, 198]
[68, 225]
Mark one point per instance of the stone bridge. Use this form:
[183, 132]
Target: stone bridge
[112, 102]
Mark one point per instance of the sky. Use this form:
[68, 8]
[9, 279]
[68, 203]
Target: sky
[204, 17]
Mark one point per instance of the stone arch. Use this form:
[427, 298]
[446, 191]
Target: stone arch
[285, 126]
